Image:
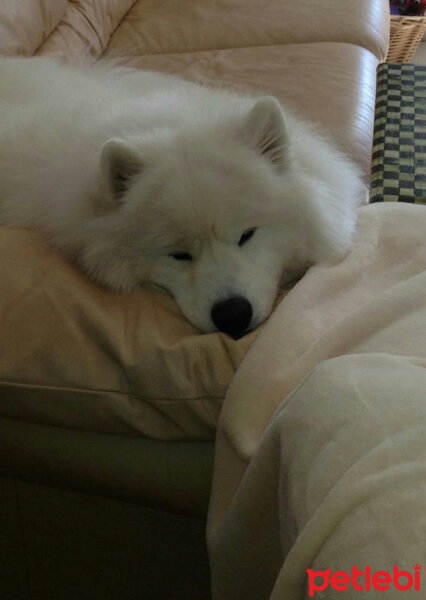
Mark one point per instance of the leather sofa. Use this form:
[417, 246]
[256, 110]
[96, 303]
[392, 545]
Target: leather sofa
[109, 403]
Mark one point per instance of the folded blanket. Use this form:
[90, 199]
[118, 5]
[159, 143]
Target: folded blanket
[321, 447]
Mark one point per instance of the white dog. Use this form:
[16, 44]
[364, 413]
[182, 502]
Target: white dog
[142, 178]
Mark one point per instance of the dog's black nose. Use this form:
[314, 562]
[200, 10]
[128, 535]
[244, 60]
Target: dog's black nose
[232, 316]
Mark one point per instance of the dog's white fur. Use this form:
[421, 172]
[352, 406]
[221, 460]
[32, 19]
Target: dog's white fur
[121, 169]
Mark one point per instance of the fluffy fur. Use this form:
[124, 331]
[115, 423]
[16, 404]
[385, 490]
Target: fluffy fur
[142, 178]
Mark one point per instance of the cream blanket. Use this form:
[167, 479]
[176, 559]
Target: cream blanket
[321, 446]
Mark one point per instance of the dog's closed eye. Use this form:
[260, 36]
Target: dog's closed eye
[246, 236]
[181, 255]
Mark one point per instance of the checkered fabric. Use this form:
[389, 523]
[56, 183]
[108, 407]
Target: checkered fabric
[399, 146]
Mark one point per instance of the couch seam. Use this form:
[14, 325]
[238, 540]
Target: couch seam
[283, 44]
[119, 23]
[136, 435]
[89, 22]
[17, 384]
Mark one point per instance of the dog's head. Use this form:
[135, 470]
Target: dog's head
[212, 214]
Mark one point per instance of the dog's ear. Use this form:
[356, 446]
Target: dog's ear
[120, 162]
[266, 132]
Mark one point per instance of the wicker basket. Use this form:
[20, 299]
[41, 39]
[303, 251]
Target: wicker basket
[406, 33]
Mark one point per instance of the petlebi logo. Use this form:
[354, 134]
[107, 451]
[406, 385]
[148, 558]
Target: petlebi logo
[361, 580]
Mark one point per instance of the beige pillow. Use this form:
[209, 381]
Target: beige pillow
[76, 355]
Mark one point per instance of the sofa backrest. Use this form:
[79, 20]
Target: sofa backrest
[71, 28]
[84, 28]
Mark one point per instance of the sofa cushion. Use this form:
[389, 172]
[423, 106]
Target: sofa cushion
[172, 476]
[331, 85]
[76, 355]
[153, 27]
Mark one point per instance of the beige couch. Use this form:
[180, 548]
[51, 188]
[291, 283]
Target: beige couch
[108, 403]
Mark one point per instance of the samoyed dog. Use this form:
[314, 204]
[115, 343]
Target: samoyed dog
[145, 179]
